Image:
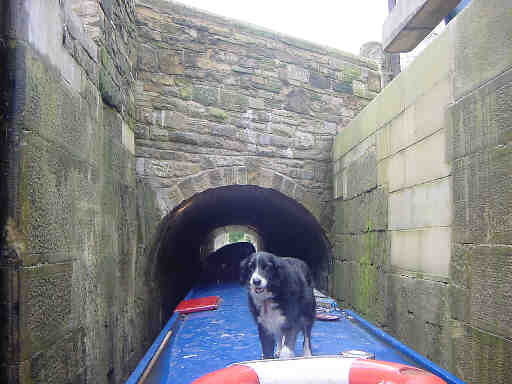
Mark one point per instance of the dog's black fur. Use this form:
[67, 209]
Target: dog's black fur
[281, 301]
[224, 264]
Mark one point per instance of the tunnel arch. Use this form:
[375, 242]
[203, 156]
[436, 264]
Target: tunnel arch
[215, 238]
[170, 199]
[286, 227]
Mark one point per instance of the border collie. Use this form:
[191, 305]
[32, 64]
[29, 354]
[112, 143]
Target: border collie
[281, 301]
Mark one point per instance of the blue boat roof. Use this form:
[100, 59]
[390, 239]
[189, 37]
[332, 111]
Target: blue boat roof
[203, 342]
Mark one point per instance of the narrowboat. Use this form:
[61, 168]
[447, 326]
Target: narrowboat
[212, 338]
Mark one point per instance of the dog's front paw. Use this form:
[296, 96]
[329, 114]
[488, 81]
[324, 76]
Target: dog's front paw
[286, 353]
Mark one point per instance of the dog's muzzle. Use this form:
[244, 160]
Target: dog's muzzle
[259, 290]
[256, 284]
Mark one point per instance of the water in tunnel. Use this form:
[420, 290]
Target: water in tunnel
[285, 227]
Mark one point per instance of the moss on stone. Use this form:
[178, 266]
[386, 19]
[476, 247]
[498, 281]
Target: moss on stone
[217, 114]
[351, 72]
[181, 81]
[366, 293]
[185, 93]
[205, 95]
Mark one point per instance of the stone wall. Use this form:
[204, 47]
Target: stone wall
[215, 95]
[480, 122]
[427, 258]
[67, 266]
[215, 102]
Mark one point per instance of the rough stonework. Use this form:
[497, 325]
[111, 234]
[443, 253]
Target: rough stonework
[429, 257]
[68, 193]
[215, 94]
[214, 104]
[132, 131]
[222, 103]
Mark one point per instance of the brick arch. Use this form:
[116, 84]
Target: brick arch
[238, 175]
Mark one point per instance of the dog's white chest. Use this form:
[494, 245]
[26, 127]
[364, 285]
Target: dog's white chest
[271, 317]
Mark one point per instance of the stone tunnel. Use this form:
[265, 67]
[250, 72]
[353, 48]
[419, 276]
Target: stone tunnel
[284, 226]
[131, 131]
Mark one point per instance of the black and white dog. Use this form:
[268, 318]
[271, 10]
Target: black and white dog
[281, 301]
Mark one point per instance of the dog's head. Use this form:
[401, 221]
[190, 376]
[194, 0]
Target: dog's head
[260, 271]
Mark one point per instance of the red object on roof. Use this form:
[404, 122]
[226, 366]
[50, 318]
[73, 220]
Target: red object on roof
[197, 305]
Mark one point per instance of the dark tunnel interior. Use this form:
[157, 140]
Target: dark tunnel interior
[285, 226]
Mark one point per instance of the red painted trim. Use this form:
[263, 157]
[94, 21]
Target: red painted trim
[198, 305]
[234, 374]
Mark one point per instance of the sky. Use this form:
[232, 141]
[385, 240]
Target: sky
[342, 24]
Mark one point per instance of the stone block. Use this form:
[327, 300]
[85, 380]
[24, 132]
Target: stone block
[54, 110]
[128, 139]
[418, 313]
[460, 303]
[54, 183]
[186, 188]
[428, 114]
[420, 163]
[483, 45]
[383, 142]
[432, 66]
[396, 169]
[400, 131]
[480, 356]
[366, 212]
[490, 288]
[61, 361]
[215, 177]
[460, 265]
[46, 303]
[319, 81]
[205, 95]
[171, 62]
[147, 59]
[279, 141]
[417, 122]
[426, 250]
[361, 175]
[421, 76]
[233, 101]
[288, 187]
[298, 101]
[374, 81]
[342, 87]
[241, 175]
[229, 176]
[50, 42]
[374, 247]
[383, 173]
[296, 73]
[304, 140]
[359, 169]
[338, 280]
[481, 119]
[482, 197]
[424, 205]
[283, 130]
[361, 127]
[217, 114]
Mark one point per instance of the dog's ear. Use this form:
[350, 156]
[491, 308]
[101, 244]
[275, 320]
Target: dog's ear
[244, 270]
